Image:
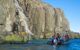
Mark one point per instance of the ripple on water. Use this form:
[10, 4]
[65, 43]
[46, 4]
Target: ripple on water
[73, 45]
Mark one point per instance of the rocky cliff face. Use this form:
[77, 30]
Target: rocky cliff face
[7, 9]
[32, 16]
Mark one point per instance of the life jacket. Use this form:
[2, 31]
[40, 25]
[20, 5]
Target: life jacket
[55, 40]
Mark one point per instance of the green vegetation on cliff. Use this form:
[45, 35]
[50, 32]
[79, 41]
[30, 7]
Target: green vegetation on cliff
[14, 38]
[42, 19]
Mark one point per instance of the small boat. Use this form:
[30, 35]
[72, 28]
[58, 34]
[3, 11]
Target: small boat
[52, 43]
[59, 42]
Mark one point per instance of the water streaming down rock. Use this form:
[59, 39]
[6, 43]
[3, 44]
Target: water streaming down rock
[22, 18]
[42, 17]
[8, 27]
[34, 16]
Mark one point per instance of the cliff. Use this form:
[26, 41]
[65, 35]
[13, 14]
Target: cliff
[44, 20]
[33, 17]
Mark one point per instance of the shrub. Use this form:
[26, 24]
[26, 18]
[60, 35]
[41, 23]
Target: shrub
[13, 38]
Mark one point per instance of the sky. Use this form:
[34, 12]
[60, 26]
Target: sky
[71, 9]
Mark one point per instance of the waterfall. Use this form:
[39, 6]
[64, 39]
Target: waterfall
[22, 18]
[8, 26]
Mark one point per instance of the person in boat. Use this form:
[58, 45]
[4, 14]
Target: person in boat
[59, 39]
[56, 38]
[55, 41]
[52, 40]
[66, 37]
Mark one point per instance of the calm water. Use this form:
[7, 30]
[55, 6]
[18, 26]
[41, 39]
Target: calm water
[41, 45]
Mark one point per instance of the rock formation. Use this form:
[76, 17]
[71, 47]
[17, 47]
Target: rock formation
[40, 18]
[44, 20]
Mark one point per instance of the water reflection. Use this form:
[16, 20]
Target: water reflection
[43, 47]
[71, 46]
[54, 47]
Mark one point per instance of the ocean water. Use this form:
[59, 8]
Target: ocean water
[73, 44]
